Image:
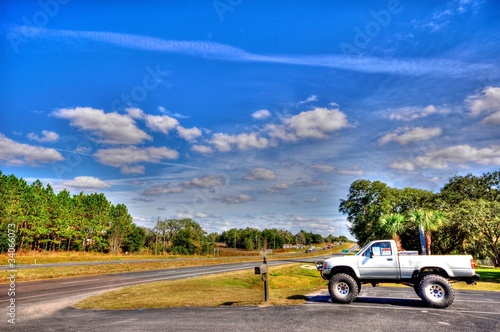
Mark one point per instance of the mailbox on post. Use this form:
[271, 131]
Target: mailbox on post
[262, 270]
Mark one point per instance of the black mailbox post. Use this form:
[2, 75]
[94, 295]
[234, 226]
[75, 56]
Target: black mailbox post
[262, 270]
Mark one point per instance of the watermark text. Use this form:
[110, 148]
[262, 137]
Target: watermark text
[11, 292]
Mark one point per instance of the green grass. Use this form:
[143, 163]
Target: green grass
[489, 274]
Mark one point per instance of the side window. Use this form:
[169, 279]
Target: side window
[380, 249]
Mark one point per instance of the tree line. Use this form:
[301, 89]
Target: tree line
[45, 220]
[463, 217]
[185, 236]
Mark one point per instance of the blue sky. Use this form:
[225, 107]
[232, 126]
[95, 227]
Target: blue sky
[247, 113]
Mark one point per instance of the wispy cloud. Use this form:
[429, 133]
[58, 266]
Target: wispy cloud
[218, 51]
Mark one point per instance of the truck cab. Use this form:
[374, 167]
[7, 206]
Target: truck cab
[378, 261]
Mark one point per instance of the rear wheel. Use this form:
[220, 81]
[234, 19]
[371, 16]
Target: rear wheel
[436, 291]
[343, 288]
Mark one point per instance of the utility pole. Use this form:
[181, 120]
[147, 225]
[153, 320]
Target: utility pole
[157, 223]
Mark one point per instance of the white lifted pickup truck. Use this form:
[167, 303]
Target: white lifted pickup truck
[380, 262]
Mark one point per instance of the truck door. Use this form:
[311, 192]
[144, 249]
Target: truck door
[379, 261]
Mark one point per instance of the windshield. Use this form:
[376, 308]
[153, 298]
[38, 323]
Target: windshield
[360, 253]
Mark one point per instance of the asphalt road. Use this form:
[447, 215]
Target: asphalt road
[46, 306]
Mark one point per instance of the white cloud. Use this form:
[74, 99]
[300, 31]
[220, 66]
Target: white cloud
[222, 142]
[218, 51]
[237, 199]
[487, 101]
[279, 187]
[86, 182]
[280, 132]
[135, 113]
[162, 190]
[302, 182]
[225, 142]
[161, 123]
[261, 114]
[132, 155]
[458, 154]
[412, 113]
[18, 154]
[206, 181]
[318, 122]
[183, 215]
[403, 165]
[408, 135]
[175, 115]
[493, 119]
[165, 123]
[312, 200]
[47, 136]
[138, 169]
[248, 141]
[190, 134]
[323, 168]
[204, 149]
[110, 128]
[261, 174]
[308, 100]
[356, 172]
[441, 18]
[466, 153]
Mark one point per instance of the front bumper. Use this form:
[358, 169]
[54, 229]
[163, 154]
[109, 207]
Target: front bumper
[323, 270]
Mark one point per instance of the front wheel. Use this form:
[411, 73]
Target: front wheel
[343, 288]
[436, 291]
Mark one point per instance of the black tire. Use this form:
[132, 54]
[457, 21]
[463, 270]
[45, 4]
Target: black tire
[359, 288]
[343, 288]
[436, 291]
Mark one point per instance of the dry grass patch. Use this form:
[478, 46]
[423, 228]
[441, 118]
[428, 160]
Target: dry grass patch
[50, 257]
[288, 285]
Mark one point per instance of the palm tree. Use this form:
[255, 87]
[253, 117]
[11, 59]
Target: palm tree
[428, 221]
[394, 224]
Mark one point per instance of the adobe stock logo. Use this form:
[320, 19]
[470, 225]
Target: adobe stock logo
[223, 6]
[40, 19]
[364, 36]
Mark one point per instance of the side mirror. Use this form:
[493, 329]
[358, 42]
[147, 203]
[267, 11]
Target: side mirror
[371, 254]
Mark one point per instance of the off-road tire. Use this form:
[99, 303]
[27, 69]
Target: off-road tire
[436, 291]
[343, 288]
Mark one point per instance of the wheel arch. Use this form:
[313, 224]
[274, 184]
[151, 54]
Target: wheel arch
[344, 269]
[426, 270]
